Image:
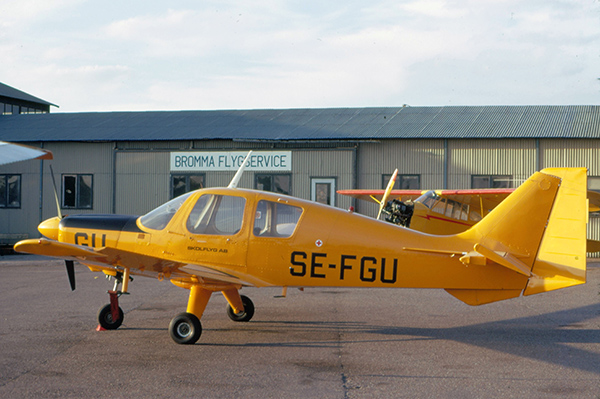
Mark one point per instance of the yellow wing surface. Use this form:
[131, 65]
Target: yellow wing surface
[107, 259]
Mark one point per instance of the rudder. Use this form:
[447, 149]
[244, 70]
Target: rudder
[561, 258]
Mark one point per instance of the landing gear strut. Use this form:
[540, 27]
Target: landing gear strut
[110, 316]
[185, 328]
[246, 314]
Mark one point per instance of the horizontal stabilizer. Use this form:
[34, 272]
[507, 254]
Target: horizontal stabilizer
[481, 297]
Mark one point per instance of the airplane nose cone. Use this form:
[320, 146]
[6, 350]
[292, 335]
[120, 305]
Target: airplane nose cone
[49, 228]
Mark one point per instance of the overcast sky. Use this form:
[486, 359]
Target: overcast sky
[157, 55]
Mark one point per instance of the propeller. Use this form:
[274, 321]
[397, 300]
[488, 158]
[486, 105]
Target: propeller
[387, 192]
[55, 193]
[71, 273]
[70, 265]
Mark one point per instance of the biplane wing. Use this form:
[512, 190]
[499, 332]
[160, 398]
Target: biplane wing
[483, 198]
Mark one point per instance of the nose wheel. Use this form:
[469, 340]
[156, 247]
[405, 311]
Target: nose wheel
[108, 319]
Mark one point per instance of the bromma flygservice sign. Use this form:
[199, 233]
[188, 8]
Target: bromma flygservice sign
[260, 161]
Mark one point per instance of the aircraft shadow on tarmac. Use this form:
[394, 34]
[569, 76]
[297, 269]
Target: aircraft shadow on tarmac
[546, 337]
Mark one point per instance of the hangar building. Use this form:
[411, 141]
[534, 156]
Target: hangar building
[131, 162]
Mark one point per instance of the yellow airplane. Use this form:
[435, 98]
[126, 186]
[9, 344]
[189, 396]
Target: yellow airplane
[223, 239]
[444, 212]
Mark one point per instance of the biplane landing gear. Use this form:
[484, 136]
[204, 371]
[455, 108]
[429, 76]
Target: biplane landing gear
[246, 314]
[185, 329]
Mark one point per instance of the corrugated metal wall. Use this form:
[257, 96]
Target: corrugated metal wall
[420, 157]
[307, 164]
[142, 181]
[516, 158]
[80, 158]
[575, 153]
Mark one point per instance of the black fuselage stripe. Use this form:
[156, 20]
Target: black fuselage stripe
[101, 222]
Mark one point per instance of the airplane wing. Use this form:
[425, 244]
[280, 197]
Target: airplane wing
[107, 259]
[490, 197]
[367, 195]
[11, 152]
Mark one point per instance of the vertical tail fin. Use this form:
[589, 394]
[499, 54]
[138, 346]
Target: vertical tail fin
[539, 231]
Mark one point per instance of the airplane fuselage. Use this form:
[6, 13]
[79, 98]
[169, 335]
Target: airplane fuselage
[342, 249]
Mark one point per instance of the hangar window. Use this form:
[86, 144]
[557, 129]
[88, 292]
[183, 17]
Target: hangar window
[181, 184]
[275, 219]
[322, 190]
[491, 181]
[10, 191]
[403, 182]
[77, 191]
[277, 183]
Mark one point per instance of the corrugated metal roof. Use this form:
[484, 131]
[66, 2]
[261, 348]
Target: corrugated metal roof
[11, 92]
[493, 122]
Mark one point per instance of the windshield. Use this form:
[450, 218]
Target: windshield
[161, 216]
[428, 199]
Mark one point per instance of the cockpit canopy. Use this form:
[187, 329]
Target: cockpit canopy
[218, 214]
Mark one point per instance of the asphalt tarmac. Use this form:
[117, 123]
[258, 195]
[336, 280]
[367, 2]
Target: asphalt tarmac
[320, 343]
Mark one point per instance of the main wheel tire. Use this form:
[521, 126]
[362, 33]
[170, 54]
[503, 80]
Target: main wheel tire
[185, 329]
[246, 315]
[105, 318]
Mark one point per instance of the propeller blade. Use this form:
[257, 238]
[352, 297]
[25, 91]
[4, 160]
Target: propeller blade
[387, 192]
[71, 273]
[56, 196]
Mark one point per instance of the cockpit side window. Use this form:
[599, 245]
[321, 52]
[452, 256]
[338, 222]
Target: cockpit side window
[217, 214]
[275, 219]
[158, 218]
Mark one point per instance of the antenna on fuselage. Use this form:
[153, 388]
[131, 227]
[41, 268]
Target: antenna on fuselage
[238, 175]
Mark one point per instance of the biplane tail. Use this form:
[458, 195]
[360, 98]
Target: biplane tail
[539, 231]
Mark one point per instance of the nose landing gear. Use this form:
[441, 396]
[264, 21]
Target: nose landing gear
[110, 316]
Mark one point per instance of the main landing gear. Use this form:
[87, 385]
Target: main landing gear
[185, 328]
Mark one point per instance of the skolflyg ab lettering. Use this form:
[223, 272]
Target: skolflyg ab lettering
[207, 249]
[320, 265]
